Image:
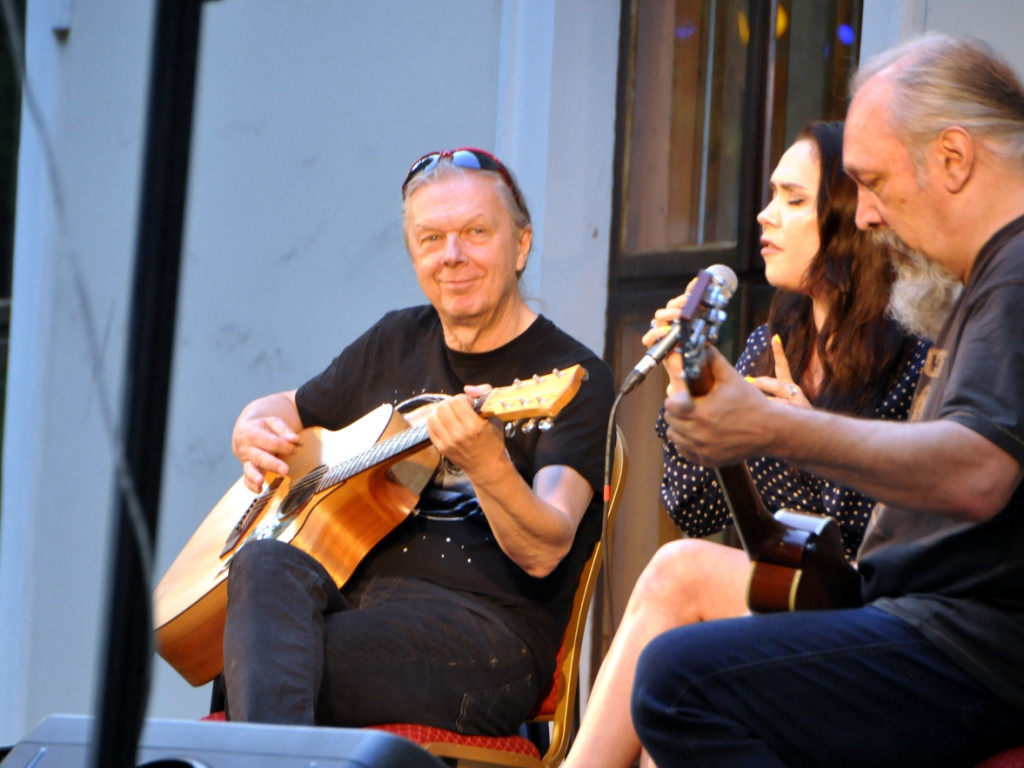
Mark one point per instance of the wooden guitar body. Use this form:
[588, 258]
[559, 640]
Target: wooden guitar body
[803, 567]
[797, 560]
[340, 524]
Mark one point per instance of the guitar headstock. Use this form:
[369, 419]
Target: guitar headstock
[539, 397]
[704, 312]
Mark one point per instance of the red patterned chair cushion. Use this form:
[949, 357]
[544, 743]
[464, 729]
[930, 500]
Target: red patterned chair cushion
[425, 734]
[549, 703]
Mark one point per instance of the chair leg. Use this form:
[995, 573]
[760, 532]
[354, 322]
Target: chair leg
[218, 695]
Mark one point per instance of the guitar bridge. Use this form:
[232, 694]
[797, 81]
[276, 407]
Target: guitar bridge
[255, 510]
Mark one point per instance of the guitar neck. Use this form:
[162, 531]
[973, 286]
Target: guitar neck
[384, 450]
[756, 526]
[541, 397]
[377, 454]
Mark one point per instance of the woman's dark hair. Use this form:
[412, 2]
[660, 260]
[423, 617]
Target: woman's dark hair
[859, 346]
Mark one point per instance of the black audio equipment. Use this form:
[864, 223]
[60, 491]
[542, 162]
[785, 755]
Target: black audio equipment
[63, 741]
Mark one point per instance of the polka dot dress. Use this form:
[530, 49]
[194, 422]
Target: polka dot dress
[695, 503]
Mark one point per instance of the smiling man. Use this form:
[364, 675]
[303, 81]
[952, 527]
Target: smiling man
[455, 618]
[930, 670]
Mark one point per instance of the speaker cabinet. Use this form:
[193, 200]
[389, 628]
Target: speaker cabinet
[63, 741]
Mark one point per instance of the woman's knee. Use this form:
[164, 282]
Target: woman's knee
[685, 575]
[677, 565]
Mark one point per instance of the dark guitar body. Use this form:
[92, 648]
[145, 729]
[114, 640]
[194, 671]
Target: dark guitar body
[796, 559]
[803, 568]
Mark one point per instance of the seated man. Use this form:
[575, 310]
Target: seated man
[930, 670]
[455, 618]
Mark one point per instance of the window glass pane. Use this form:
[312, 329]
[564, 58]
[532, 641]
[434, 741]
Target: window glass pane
[683, 147]
[816, 51]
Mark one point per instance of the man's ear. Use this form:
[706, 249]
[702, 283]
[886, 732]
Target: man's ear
[523, 253]
[955, 148]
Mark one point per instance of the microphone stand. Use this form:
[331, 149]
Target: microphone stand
[129, 633]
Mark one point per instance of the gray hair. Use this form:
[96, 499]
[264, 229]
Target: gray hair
[924, 291]
[445, 169]
[939, 81]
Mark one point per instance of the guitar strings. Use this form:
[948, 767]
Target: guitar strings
[385, 449]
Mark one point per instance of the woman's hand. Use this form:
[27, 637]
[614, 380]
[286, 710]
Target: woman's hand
[782, 386]
[673, 362]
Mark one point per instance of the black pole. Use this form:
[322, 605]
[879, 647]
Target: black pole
[755, 127]
[755, 146]
[126, 672]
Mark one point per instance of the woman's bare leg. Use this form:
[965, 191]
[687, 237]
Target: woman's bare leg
[687, 581]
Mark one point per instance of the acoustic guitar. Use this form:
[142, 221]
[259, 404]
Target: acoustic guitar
[345, 490]
[796, 558]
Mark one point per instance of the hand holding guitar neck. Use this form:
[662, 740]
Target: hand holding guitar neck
[696, 325]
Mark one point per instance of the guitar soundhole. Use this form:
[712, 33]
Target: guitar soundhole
[301, 492]
[255, 510]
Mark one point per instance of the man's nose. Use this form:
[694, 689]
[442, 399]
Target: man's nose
[867, 216]
[452, 250]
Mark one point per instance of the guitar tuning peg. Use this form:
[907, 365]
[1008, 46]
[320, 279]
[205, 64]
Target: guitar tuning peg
[529, 426]
[510, 429]
[545, 424]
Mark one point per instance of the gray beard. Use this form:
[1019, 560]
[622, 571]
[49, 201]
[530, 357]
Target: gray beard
[923, 292]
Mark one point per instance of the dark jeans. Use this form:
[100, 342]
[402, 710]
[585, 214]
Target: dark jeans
[297, 650]
[815, 688]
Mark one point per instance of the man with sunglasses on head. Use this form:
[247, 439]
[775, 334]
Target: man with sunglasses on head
[455, 618]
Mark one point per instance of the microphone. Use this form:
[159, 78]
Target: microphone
[712, 289]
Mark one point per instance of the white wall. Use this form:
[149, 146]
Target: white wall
[998, 22]
[308, 115]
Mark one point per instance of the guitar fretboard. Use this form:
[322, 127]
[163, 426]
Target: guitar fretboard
[382, 451]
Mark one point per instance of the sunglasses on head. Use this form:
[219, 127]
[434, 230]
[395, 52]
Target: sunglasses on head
[466, 157]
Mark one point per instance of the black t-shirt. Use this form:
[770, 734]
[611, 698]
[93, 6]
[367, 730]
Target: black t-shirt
[962, 583]
[449, 542]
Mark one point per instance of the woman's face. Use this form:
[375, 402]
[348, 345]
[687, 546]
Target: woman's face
[789, 223]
